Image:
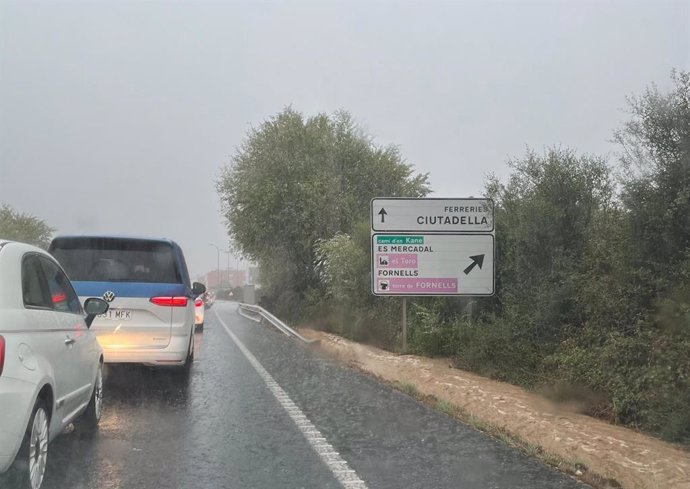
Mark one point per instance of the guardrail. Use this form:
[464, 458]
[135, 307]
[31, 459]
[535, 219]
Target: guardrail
[262, 313]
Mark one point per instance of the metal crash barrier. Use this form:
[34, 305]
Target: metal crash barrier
[258, 313]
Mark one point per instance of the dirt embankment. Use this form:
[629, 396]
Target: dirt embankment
[622, 456]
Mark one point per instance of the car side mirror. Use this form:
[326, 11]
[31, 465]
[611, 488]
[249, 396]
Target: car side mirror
[93, 307]
[198, 289]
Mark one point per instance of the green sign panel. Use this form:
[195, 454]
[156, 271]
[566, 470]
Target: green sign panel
[400, 239]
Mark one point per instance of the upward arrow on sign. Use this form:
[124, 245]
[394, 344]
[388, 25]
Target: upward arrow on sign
[383, 214]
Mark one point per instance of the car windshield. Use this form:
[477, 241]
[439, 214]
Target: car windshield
[116, 260]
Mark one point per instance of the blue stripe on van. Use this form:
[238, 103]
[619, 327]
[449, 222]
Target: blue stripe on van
[129, 289]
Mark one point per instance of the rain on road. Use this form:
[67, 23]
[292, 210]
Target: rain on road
[259, 410]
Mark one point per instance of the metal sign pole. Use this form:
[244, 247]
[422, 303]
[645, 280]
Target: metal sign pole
[404, 324]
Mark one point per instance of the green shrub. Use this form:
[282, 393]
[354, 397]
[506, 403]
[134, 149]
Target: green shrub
[644, 378]
[429, 334]
[496, 347]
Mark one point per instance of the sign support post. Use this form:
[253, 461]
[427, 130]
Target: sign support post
[404, 324]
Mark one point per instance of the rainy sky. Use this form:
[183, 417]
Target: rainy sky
[115, 117]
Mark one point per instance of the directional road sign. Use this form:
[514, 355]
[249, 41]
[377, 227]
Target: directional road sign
[432, 264]
[432, 215]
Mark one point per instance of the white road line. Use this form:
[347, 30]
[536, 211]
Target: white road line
[347, 477]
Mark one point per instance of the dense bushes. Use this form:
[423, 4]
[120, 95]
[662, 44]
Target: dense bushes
[345, 304]
[593, 265]
[594, 286]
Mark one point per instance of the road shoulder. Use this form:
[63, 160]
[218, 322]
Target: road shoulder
[604, 454]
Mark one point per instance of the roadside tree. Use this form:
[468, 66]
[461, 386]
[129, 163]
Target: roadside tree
[296, 181]
[18, 226]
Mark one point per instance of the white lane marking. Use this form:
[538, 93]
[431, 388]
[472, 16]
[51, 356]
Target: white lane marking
[347, 477]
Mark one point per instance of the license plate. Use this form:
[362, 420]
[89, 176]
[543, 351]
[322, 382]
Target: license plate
[117, 315]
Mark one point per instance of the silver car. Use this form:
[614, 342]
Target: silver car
[50, 361]
[146, 283]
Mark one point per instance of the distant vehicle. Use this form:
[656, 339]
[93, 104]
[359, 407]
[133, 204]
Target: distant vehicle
[199, 308]
[208, 299]
[50, 360]
[146, 282]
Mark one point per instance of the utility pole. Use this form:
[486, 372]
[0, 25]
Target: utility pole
[227, 252]
[237, 269]
[217, 266]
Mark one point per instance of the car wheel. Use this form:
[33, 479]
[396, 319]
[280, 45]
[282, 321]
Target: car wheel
[88, 421]
[30, 465]
[190, 354]
[200, 326]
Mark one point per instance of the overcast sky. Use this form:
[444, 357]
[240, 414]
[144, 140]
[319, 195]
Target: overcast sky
[115, 117]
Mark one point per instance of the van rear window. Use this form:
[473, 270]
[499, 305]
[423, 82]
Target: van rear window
[116, 260]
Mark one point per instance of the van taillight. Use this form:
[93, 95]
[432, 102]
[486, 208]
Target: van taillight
[169, 301]
[2, 353]
[198, 303]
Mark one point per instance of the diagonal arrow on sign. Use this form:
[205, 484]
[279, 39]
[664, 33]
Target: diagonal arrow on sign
[476, 260]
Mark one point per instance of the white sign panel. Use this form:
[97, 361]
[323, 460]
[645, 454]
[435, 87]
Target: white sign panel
[432, 264]
[432, 215]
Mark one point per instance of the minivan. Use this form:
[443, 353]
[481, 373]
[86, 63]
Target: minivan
[146, 283]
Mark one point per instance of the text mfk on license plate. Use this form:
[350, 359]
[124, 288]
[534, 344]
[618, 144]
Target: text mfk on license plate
[117, 315]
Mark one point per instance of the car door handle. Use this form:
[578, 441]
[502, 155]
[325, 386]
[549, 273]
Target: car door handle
[69, 341]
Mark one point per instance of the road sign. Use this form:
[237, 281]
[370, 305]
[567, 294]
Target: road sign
[432, 215]
[432, 264]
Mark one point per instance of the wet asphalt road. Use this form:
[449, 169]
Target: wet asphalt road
[221, 427]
